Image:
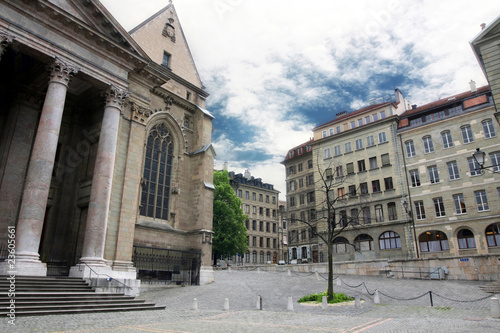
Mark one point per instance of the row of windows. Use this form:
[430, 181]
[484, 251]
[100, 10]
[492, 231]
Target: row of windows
[370, 142]
[307, 215]
[261, 242]
[362, 189]
[429, 241]
[460, 206]
[259, 210]
[453, 170]
[299, 183]
[361, 166]
[436, 241]
[304, 198]
[354, 123]
[388, 240]
[261, 226]
[253, 257]
[355, 216]
[447, 140]
[302, 235]
[254, 196]
[299, 151]
[300, 167]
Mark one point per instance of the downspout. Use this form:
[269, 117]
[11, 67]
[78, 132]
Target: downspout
[410, 202]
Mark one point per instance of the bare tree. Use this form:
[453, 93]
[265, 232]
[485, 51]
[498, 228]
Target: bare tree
[331, 202]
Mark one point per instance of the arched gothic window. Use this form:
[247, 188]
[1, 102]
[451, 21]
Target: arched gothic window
[157, 173]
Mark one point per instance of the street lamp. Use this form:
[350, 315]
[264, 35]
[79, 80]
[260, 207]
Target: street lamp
[479, 156]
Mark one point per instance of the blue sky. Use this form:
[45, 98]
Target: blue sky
[276, 69]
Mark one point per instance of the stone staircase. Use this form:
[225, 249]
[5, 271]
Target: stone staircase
[492, 288]
[62, 295]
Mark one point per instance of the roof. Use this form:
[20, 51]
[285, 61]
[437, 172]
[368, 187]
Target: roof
[287, 157]
[490, 29]
[352, 114]
[447, 100]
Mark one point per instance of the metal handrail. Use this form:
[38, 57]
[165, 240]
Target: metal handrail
[110, 277]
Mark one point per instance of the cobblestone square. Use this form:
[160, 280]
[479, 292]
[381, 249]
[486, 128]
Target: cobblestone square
[459, 306]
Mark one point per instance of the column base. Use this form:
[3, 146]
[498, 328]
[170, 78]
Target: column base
[206, 275]
[23, 267]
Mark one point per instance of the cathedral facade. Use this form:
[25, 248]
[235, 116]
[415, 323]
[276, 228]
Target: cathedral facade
[106, 161]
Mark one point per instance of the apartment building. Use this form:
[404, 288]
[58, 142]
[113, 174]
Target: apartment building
[303, 242]
[260, 203]
[454, 200]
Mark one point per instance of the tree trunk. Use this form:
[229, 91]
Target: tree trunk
[330, 271]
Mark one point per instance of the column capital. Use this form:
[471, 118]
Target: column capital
[115, 97]
[61, 72]
[5, 40]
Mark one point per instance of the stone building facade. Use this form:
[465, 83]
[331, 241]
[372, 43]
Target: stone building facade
[358, 157]
[260, 203]
[108, 157]
[303, 243]
[453, 200]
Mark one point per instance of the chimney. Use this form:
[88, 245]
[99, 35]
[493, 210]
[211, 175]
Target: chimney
[473, 88]
[482, 25]
[399, 95]
[247, 175]
[225, 166]
[414, 106]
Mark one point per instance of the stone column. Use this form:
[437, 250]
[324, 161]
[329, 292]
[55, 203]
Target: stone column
[100, 194]
[5, 40]
[37, 184]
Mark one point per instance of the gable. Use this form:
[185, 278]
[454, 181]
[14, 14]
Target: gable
[96, 17]
[162, 35]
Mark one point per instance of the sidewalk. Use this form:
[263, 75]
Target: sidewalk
[455, 307]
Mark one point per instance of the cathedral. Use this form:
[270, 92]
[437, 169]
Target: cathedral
[106, 162]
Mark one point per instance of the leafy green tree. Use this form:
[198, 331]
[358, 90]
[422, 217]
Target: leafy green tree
[230, 233]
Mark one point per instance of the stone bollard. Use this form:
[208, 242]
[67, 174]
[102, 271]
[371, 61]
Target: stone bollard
[339, 283]
[289, 307]
[324, 303]
[317, 275]
[259, 302]
[376, 297]
[226, 304]
[258, 270]
[357, 302]
[289, 273]
[229, 269]
[195, 304]
[495, 307]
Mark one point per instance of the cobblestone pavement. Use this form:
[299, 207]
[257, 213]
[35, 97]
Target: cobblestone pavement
[459, 306]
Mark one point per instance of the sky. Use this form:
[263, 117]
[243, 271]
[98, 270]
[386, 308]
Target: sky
[275, 69]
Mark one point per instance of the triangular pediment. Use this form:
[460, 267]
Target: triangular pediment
[162, 36]
[96, 17]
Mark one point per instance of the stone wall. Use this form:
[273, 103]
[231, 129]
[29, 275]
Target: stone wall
[477, 267]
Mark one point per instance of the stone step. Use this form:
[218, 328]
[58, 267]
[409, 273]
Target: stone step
[86, 310]
[56, 295]
[49, 289]
[88, 297]
[42, 294]
[116, 301]
[492, 288]
[43, 283]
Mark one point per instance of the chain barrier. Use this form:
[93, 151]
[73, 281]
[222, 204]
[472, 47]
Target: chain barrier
[430, 293]
[403, 299]
[463, 301]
